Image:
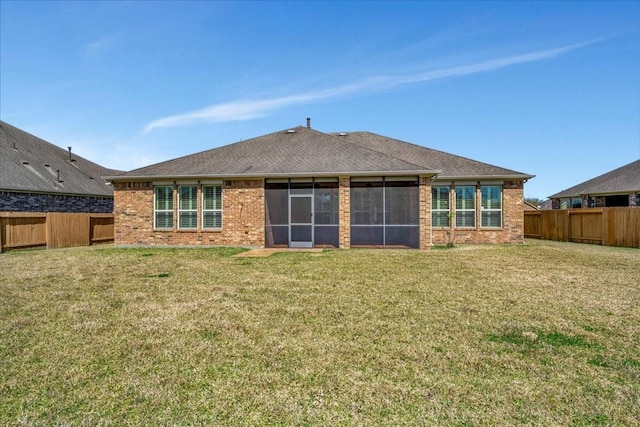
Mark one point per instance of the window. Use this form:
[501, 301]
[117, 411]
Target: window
[440, 206]
[211, 206]
[491, 206]
[576, 203]
[187, 207]
[465, 206]
[163, 204]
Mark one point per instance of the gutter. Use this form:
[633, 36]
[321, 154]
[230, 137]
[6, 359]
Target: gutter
[484, 177]
[273, 175]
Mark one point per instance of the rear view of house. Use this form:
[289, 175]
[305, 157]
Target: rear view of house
[303, 188]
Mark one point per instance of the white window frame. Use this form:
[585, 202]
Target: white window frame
[190, 210]
[465, 209]
[156, 211]
[486, 207]
[437, 210]
[212, 210]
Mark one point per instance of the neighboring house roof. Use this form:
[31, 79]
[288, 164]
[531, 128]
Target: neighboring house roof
[546, 205]
[31, 164]
[302, 151]
[530, 207]
[624, 180]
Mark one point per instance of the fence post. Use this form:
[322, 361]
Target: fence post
[605, 227]
[2, 221]
[48, 232]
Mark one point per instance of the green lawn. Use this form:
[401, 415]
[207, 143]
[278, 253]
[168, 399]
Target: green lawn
[544, 333]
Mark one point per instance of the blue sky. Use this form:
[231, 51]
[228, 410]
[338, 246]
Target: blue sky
[551, 89]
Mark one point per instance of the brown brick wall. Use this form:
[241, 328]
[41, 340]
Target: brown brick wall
[344, 197]
[425, 212]
[242, 217]
[512, 230]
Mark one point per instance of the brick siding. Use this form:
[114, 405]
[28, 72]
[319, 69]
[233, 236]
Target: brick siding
[344, 200]
[243, 217]
[426, 237]
[512, 230]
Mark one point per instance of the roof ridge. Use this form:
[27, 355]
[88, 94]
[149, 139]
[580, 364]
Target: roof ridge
[436, 150]
[376, 151]
[210, 150]
[422, 147]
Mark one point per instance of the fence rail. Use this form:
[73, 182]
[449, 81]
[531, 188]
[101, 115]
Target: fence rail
[54, 229]
[602, 226]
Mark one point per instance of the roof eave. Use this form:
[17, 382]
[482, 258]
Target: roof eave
[562, 195]
[54, 193]
[273, 175]
[485, 177]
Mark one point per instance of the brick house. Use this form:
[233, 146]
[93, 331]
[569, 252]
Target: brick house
[304, 188]
[37, 176]
[619, 187]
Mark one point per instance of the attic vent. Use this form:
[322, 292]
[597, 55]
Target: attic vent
[291, 131]
[342, 134]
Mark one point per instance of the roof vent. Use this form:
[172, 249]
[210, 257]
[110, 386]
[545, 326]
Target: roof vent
[291, 131]
[342, 134]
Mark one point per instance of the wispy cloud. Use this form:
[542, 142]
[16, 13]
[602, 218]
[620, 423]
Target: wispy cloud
[101, 45]
[250, 109]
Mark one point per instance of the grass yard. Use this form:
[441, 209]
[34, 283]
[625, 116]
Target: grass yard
[544, 333]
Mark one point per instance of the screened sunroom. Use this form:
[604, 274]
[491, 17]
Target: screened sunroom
[302, 213]
[383, 212]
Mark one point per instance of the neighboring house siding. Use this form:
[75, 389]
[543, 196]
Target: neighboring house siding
[615, 200]
[242, 217]
[38, 202]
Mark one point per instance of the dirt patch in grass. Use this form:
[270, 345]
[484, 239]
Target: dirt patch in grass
[537, 334]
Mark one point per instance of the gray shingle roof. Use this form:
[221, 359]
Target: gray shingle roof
[450, 165]
[301, 151]
[625, 179]
[23, 167]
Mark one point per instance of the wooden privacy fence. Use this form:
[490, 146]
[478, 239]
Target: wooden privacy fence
[53, 229]
[602, 226]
